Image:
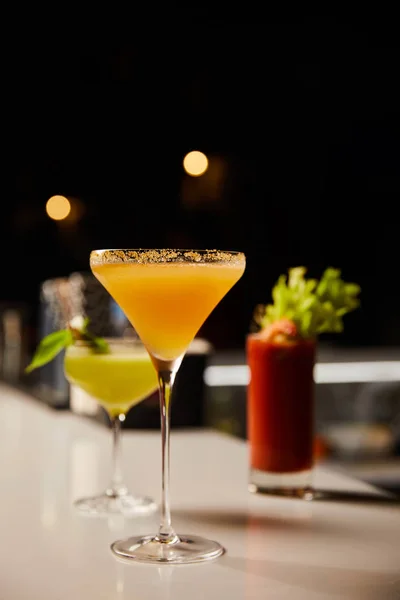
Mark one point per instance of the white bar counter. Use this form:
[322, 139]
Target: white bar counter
[276, 548]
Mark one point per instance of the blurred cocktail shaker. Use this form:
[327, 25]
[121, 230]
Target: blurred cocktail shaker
[61, 299]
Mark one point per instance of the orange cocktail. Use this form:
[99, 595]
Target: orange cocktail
[167, 294]
[168, 302]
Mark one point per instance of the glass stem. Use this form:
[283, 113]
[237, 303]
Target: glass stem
[116, 487]
[166, 533]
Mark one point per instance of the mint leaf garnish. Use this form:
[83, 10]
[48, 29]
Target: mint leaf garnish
[314, 306]
[52, 344]
[98, 344]
[49, 347]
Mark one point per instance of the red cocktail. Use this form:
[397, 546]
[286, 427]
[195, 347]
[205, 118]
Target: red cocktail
[280, 410]
[281, 358]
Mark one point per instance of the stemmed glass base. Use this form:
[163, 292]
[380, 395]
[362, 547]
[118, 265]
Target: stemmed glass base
[116, 503]
[184, 549]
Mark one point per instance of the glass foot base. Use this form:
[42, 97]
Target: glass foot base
[186, 549]
[296, 485]
[116, 504]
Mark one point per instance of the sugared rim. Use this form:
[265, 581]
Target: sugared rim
[164, 255]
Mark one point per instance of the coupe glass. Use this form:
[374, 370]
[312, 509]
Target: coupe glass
[118, 380]
[167, 295]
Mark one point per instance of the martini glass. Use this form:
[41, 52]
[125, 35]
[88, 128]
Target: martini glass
[167, 295]
[118, 380]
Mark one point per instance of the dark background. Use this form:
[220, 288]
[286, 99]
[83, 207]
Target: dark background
[299, 119]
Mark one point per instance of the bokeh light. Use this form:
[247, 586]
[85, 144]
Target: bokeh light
[58, 208]
[195, 163]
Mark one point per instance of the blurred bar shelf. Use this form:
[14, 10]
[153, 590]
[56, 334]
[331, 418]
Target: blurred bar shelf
[333, 366]
[339, 372]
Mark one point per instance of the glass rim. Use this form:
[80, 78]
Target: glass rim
[200, 250]
[165, 255]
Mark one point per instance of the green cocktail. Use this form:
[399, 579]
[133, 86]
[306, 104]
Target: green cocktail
[108, 377]
[118, 379]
